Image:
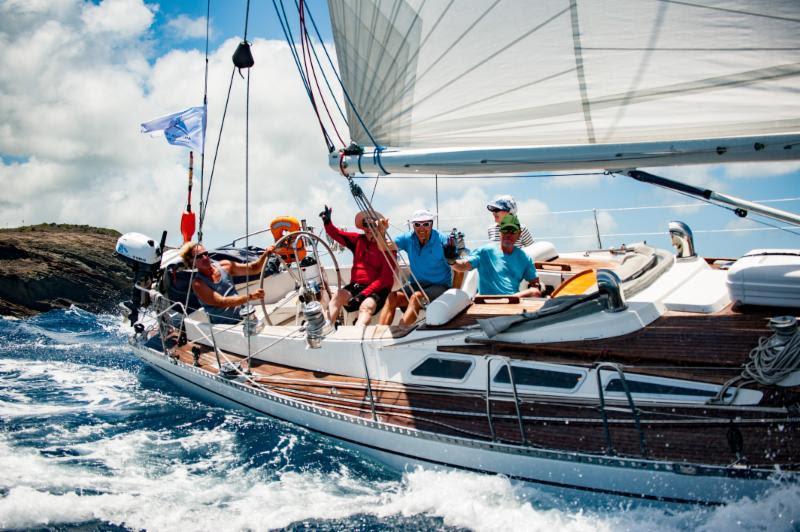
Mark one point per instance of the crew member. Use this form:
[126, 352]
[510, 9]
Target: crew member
[371, 276]
[503, 266]
[426, 248]
[213, 284]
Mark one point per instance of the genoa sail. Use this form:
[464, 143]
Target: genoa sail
[657, 76]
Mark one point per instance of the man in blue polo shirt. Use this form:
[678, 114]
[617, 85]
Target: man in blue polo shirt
[425, 247]
[503, 267]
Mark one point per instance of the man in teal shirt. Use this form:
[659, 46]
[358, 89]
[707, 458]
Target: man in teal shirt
[503, 267]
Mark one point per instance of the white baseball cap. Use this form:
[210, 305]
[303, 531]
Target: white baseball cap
[422, 215]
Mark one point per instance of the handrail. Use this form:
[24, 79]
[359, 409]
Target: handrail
[507, 362]
[634, 410]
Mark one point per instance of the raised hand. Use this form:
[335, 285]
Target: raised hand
[326, 215]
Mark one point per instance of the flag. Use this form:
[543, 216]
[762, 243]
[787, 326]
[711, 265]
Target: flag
[184, 128]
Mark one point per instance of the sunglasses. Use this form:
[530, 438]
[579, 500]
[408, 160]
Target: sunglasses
[202, 255]
[508, 231]
[423, 224]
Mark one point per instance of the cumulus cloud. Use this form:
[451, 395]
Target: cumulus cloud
[72, 106]
[185, 27]
[120, 18]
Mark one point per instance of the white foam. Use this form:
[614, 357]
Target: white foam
[146, 486]
[88, 388]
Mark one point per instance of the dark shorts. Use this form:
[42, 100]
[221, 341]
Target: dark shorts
[356, 288]
[431, 290]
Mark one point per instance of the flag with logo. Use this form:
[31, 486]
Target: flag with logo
[184, 128]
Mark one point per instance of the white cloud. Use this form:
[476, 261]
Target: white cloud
[70, 116]
[760, 170]
[121, 18]
[185, 27]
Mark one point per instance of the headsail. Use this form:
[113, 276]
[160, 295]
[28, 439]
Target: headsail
[450, 75]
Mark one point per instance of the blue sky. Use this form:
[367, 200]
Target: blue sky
[104, 67]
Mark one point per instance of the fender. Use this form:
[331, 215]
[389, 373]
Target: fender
[281, 226]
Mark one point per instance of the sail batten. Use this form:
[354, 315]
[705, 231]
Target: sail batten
[439, 75]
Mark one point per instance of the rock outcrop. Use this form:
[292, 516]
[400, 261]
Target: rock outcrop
[49, 266]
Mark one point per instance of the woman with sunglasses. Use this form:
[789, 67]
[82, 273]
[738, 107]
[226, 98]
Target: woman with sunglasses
[500, 207]
[213, 284]
[425, 247]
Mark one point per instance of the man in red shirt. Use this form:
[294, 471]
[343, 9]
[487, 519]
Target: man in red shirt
[371, 277]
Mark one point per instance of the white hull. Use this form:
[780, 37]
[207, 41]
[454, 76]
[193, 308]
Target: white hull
[401, 447]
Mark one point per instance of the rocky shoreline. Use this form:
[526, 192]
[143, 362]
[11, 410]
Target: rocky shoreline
[50, 266]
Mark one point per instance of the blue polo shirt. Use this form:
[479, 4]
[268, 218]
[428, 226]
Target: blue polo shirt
[427, 262]
[500, 273]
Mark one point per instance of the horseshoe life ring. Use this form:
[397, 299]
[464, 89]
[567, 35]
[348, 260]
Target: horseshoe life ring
[281, 226]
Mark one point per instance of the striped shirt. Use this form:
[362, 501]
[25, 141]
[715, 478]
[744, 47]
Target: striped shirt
[525, 239]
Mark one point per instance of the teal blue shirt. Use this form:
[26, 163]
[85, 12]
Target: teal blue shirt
[427, 262]
[500, 273]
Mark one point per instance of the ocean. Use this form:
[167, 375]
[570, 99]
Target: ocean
[92, 439]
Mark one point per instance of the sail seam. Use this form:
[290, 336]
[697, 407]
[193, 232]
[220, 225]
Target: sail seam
[576, 45]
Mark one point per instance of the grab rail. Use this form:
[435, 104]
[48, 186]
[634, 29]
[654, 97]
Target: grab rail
[634, 410]
[506, 361]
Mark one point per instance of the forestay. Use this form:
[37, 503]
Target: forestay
[454, 75]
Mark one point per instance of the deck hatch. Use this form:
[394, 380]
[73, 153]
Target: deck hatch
[544, 378]
[442, 368]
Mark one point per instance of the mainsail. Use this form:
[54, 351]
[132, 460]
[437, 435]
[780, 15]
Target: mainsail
[644, 78]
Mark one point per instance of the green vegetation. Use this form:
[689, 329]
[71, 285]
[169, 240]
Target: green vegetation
[63, 228]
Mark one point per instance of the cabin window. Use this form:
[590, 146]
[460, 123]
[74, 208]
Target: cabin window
[544, 378]
[443, 368]
[656, 388]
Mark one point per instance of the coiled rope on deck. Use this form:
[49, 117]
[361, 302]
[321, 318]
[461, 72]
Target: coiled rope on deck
[769, 362]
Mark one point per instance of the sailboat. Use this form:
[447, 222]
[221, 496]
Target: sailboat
[652, 373]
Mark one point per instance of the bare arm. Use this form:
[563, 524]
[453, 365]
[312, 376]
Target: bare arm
[533, 289]
[461, 265]
[251, 268]
[214, 299]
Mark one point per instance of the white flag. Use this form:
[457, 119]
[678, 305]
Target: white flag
[185, 128]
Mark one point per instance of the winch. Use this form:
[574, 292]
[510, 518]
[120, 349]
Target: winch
[315, 324]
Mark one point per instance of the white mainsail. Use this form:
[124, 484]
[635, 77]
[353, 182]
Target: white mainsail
[466, 80]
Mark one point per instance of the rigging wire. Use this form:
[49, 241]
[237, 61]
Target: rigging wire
[726, 207]
[247, 197]
[306, 45]
[205, 119]
[341, 83]
[216, 149]
[287, 31]
[322, 71]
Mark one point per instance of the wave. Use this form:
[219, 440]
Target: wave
[93, 438]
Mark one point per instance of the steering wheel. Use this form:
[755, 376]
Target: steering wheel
[298, 276]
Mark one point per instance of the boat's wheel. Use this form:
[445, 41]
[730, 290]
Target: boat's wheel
[310, 241]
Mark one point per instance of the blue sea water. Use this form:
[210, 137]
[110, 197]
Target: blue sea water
[93, 439]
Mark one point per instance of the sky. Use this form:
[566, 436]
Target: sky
[77, 78]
